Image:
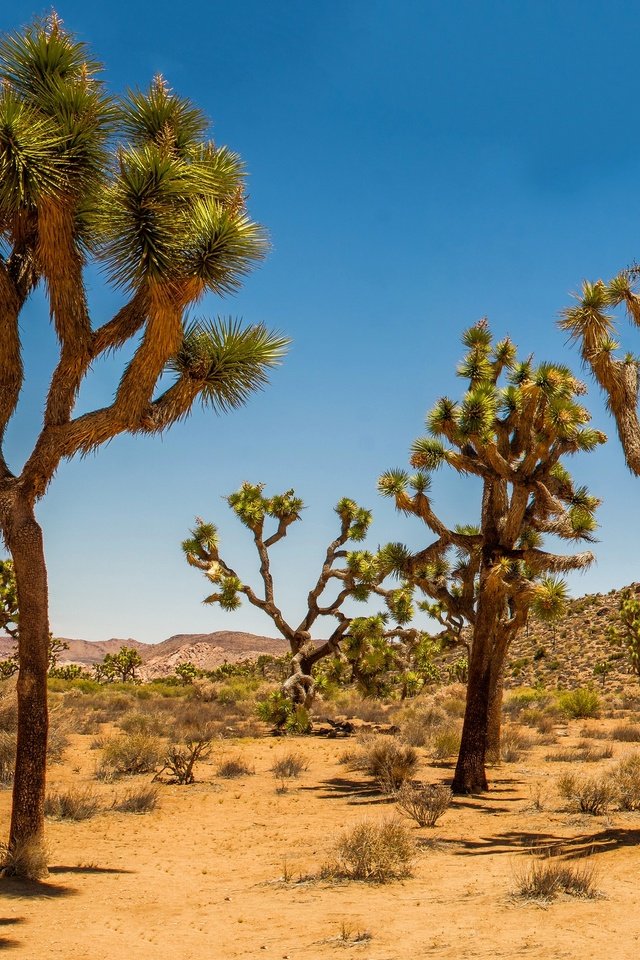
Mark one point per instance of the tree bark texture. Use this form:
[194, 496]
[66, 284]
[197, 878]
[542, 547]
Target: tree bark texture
[24, 540]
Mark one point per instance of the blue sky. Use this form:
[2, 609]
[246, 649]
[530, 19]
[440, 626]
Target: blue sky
[418, 165]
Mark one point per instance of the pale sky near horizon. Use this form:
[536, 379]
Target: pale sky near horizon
[418, 165]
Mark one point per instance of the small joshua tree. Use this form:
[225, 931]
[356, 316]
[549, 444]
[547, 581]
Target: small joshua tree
[356, 574]
[120, 666]
[511, 436]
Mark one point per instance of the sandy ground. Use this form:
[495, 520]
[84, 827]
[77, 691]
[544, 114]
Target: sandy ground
[214, 871]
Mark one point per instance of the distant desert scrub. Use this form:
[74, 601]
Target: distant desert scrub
[580, 703]
[385, 758]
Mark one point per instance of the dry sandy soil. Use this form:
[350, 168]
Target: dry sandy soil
[214, 871]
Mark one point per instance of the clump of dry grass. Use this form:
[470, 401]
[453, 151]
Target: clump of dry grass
[591, 795]
[26, 860]
[626, 782]
[445, 742]
[140, 800]
[547, 878]
[627, 732]
[374, 852]
[72, 804]
[424, 803]
[581, 753]
[7, 757]
[385, 758]
[419, 722]
[514, 742]
[234, 767]
[289, 766]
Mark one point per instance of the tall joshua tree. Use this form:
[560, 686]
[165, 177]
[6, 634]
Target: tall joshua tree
[592, 323]
[511, 436]
[356, 574]
[134, 185]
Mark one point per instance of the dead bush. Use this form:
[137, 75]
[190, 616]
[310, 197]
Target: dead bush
[72, 804]
[625, 781]
[140, 800]
[386, 759]
[547, 878]
[375, 852]
[424, 803]
[627, 732]
[181, 758]
[592, 795]
[289, 766]
[234, 767]
[7, 756]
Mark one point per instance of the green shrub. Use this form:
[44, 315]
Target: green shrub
[446, 743]
[129, 753]
[580, 703]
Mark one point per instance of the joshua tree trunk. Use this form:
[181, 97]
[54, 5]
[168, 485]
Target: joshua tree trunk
[24, 539]
[494, 728]
[470, 775]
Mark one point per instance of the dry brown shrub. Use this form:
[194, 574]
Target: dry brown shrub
[547, 878]
[590, 795]
[375, 852]
[128, 754]
[385, 758]
[234, 767]
[626, 782]
[72, 804]
[7, 757]
[424, 803]
[140, 800]
[26, 860]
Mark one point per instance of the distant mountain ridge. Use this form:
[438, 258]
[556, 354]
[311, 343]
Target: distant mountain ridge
[205, 650]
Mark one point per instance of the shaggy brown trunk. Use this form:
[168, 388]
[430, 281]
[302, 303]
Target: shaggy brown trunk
[24, 539]
[470, 775]
[494, 728]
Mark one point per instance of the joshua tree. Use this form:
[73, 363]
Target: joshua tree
[512, 438]
[120, 666]
[592, 324]
[357, 575]
[134, 185]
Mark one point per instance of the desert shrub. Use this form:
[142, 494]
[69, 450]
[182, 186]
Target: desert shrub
[7, 756]
[26, 859]
[234, 767]
[386, 759]
[57, 743]
[137, 722]
[377, 852]
[8, 708]
[544, 720]
[424, 803]
[278, 710]
[180, 759]
[592, 795]
[454, 706]
[289, 766]
[547, 878]
[73, 804]
[580, 703]
[140, 800]
[628, 732]
[581, 753]
[129, 753]
[522, 699]
[419, 722]
[594, 733]
[513, 744]
[625, 782]
[446, 743]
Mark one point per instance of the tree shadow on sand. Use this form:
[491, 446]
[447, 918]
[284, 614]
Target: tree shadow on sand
[9, 943]
[354, 791]
[566, 848]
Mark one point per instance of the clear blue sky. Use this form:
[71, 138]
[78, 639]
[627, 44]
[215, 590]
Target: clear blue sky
[418, 165]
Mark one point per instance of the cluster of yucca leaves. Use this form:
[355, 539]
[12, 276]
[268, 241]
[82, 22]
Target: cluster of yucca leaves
[592, 322]
[511, 428]
[134, 183]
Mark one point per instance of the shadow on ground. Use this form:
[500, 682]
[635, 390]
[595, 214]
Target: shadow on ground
[567, 848]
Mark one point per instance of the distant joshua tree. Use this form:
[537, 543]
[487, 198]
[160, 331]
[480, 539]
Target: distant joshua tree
[512, 437]
[355, 574]
[133, 185]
